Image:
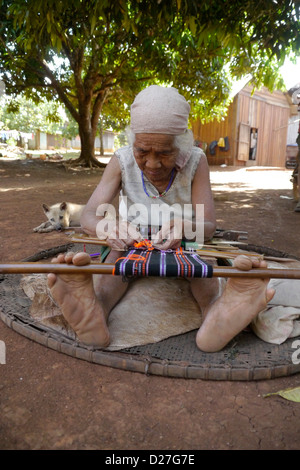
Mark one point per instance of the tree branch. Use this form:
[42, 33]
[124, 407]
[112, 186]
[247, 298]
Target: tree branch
[98, 104]
[59, 89]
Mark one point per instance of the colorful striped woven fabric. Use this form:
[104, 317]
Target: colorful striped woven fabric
[138, 262]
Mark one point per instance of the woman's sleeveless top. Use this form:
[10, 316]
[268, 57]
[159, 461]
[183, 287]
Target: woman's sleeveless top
[140, 209]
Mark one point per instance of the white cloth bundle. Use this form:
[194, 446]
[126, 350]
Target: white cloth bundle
[281, 319]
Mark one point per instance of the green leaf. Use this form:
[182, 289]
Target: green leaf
[93, 23]
[291, 394]
[192, 24]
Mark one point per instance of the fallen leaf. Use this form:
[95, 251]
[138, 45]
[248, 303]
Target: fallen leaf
[292, 394]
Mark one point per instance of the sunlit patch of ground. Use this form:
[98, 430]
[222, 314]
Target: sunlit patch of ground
[233, 179]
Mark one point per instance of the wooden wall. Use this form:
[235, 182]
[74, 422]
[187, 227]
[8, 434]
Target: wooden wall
[212, 131]
[269, 113]
[265, 111]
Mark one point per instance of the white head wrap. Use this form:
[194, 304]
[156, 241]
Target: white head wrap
[160, 110]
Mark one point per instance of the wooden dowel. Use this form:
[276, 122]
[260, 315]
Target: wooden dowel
[225, 254]
[57, 268]
[95, 268]
[87, 241]
[210, 252]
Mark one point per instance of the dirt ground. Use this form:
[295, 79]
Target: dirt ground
[49, 400]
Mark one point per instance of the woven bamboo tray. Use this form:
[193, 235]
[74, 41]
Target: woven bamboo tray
[245, 358]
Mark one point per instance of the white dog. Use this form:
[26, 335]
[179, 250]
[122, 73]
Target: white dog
[61, 216]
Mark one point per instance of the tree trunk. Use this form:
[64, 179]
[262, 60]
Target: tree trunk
[101, 136]
[87, 139]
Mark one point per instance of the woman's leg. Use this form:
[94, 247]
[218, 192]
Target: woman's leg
[226, 314]
[86, 300]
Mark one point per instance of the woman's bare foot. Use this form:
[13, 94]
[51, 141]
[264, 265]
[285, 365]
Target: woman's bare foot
[75, 295]
[239, 304]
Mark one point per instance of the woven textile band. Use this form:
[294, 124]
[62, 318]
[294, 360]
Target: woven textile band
[136, 263]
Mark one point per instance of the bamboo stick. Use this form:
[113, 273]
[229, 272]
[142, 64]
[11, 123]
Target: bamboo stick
[211, 251]
[87, 241]
[226, 254]
[98, 268]
[98, 241]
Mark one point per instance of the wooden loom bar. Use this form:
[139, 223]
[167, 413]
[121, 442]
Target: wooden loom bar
[98, 241]
[98, 268]
[89, 241]
[209, 252]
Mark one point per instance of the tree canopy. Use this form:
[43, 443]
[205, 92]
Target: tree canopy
[95, 55]
[26, 116]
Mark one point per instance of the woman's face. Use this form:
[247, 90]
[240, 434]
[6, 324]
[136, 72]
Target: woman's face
[155, 155]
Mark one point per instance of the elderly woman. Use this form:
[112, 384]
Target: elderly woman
[161, 166]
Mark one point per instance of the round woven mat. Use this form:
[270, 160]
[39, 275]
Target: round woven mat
[245, 358]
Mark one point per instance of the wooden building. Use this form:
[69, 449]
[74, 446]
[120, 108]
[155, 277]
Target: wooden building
[44, 141]
[254, 131]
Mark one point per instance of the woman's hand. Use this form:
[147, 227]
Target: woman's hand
[119, 235]
[169, 236]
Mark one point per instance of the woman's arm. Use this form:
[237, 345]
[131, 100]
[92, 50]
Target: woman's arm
[105, 192]
[202, 194]
[118, 234]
